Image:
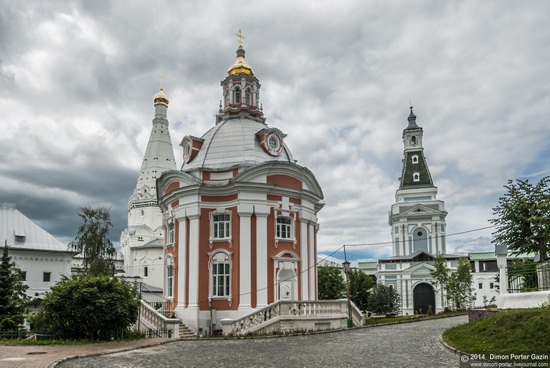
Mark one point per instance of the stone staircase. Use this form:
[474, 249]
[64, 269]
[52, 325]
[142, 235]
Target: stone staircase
[185, 332]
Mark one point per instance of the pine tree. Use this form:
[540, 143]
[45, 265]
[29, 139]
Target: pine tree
[13, 299]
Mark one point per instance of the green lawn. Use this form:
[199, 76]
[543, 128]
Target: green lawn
[525, 331]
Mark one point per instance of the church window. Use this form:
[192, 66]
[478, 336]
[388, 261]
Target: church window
[220, 271]
[171, 233]
[413, 141]
[47, 276]
[221, 225]
[170, 281]
[237, 95]
[284, 228]
[248, 97]
[415, 159]
[442, 227]
[491, 285]
[416, 177]
[145, 271]
[480, 285]
[23, 275]
[397, 230]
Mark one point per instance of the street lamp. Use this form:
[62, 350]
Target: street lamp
[346, 270]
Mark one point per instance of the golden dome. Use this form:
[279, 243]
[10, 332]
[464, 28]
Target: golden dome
[240, 65]
[161, 98]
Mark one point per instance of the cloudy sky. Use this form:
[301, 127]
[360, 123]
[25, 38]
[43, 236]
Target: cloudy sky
[77, 80]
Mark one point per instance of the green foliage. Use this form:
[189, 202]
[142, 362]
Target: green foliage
[384, 300]
[331, 283]
[90, 307]
[523, 331]
[522, 276]
[13, 299]
[93, 242]
[459, 293]
[522, 217]
[360, 285]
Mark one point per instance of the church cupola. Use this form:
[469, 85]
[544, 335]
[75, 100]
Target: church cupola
[415, 168]
[241, 90]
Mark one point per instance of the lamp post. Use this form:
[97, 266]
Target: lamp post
[346, 270]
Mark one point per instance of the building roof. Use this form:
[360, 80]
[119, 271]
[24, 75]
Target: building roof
[490, 256]
[233, 142]
[22, 233]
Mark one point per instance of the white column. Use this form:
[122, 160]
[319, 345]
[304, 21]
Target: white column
[304, 259]
[194, 222]
[312, 260]
[245, 273]
[261, 254]
[182, 261]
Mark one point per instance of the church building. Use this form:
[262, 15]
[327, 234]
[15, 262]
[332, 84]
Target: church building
[418, 231]
[142, 242]
[240, 217]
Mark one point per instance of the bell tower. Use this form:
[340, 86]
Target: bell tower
[417, 218]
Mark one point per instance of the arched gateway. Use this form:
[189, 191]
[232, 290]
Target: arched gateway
[424, 298]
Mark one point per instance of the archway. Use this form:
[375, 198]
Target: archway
[286, 285]
[423, 298]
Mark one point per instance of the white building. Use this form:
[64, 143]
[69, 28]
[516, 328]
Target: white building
[42, 259]
[142, 241]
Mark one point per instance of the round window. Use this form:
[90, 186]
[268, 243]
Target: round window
[419, 233]
[187, 151]
[273, 142]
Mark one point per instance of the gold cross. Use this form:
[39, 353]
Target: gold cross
[240, 37]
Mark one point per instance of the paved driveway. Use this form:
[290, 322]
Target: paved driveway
[403, 345]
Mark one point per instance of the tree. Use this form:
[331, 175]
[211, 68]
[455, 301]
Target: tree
[384, 300]
[360, 285]
[92, 241]
[13, 299]
[331, 283]
[457, 285]
[522, 217]
[90, 307]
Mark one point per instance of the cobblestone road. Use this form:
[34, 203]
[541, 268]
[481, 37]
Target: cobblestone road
[403, 345]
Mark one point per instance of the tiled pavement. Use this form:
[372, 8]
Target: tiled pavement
[403, 345]
[47, 356]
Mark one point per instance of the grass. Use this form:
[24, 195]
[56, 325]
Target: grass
[380, 321]
[525, 331]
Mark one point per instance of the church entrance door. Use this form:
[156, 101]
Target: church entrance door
[287, 285]
[424, 298]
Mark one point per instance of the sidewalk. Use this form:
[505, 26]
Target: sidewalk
[38, 356]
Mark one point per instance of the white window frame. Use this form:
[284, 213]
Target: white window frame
[416, 176]
[170, 281]
[414, 159]
[215, 226]
[282, 228]
[171, 233]
[220, 268]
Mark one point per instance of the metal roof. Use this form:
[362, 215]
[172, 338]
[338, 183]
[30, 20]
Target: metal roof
[490, 256]
[21, 233]
[233, 142]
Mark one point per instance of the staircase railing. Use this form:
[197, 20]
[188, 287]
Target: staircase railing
[150, 319]
[318, 309]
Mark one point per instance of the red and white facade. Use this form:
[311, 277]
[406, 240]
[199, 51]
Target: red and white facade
[240, 216]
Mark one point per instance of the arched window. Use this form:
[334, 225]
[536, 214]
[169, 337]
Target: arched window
[248, 97]
[171, 233]
[413, 141]
[416, 176]
[238, 95]
[145, 271]
[284, 228]
[415, 159]
[220, 275]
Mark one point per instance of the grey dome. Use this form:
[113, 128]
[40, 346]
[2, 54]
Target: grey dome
[233, 142]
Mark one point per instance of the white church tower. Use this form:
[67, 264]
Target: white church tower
[417, 220]
[142, 242]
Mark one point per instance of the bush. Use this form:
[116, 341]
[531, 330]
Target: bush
[89, 307]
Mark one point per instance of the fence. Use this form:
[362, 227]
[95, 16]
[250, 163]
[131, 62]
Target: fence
[528, 276]
[117, 335]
